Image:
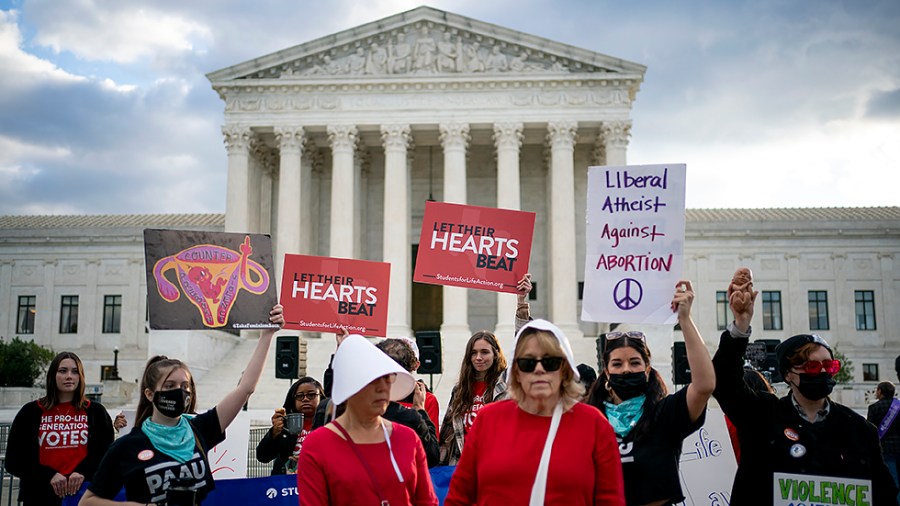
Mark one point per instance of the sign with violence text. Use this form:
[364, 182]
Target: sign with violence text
[808, 490]
[635, 243]
[323, 294]
[208, 280]
[474, 247]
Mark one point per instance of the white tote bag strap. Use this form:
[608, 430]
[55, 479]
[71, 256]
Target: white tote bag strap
[539, 489]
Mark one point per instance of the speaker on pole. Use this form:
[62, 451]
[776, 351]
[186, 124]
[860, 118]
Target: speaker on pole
[430, 360]
[681, 369]
[287, 357]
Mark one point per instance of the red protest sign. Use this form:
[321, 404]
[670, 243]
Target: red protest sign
[323, 294]
[474, 247]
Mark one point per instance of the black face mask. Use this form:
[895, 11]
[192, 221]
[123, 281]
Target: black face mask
[628, 385]
[815, 386]
[171, 403]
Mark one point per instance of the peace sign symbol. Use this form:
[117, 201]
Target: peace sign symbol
[628, 293]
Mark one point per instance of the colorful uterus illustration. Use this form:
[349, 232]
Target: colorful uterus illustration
[211, 277]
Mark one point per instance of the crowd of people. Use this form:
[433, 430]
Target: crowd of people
[537, 428]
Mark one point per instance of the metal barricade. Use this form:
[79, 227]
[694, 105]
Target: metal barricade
[255, 468]
[9, 484]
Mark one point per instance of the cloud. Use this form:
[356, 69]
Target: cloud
[20, 69]
[884, 104]
[122, 32]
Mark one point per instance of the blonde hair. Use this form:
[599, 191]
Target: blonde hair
[570, 389]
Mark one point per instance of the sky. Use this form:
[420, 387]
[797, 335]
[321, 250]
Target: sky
[105, 107]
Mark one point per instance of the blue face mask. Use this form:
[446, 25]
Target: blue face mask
[623, 417]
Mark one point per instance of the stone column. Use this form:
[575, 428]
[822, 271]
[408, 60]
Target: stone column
[616, 134]
[134, 299]
[267, 161]
[843, 320]
[454, 139]
[343, 139]
[508, 139]
[290, 183]
[46, 329]
[396, 241]
[238, 140]
[888, 296]
[8, 318]
[90, 307]
[562, 268]
[794, 303]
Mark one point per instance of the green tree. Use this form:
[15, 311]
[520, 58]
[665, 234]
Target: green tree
[845, 375]
[22, 362]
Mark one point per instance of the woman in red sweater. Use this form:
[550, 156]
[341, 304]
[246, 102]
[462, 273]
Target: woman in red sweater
[542, 446]
[360, 458]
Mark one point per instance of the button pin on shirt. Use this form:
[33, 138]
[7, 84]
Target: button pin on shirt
[798, 450]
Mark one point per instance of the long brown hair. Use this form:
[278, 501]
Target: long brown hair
[51, 400]
[462, 399]
[158, 368]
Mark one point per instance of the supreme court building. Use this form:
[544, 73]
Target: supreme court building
[335, 145]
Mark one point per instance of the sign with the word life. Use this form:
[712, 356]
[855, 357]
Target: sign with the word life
[635, 243]
[323, 294]
[474, 247]
[707, 465]
[809, 490]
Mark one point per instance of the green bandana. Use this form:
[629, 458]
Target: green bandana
[623, 417]
[177, 442]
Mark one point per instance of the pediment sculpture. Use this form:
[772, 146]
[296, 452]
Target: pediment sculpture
[425, 50]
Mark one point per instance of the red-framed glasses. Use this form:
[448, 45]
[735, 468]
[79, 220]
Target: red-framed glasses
[815, 367]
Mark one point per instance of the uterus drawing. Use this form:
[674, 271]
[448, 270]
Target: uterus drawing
[211, 277]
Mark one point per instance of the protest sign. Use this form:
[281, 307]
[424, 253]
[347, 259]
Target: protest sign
[474, 247]
[224, 278]
[635, 243]
[707, 465]
[809, 490]
[323, 294]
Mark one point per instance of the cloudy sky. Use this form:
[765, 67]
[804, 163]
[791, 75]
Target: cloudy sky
[105, 107]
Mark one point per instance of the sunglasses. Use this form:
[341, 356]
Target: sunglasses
[631, 334]
[815, 367]
[550, 364]
[311, 396]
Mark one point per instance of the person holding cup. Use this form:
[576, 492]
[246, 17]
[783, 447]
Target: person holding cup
[283, 441]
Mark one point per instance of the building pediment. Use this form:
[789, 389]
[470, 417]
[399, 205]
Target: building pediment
[426, 42]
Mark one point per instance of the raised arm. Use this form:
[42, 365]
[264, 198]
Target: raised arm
[229, 407]
[523, 310]
[703, 378]
[734, 396]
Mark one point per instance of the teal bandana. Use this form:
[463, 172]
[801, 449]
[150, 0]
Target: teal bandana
[177, 442]
[623, 417]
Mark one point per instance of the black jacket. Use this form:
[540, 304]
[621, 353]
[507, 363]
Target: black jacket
[22, 452]
[418, 421]
[843, 445]
[278, 449]
[890, 443]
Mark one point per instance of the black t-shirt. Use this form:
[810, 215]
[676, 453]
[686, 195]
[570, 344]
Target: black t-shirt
[145, 472]
[650, 463]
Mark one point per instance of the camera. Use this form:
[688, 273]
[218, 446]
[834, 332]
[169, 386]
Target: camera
[180, 493]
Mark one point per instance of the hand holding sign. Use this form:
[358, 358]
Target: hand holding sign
[683, 299]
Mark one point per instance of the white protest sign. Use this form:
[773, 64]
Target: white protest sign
[707, 463]
[635, 243]
[228, 459]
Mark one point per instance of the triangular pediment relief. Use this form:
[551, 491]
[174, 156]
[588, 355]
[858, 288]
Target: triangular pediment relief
[426, 42]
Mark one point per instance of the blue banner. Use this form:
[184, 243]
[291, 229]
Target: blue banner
[271, 490]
